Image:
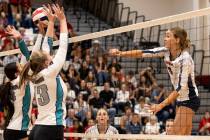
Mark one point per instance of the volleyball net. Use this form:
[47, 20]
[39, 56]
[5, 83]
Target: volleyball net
[144, 35]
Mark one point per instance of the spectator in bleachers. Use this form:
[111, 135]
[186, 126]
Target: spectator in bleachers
[116, 64]
[71, 116]
[143, 110]
[81, 107]
[131, 79]
[126, 118]
[122, 126]
[108, 97]
[122, 99]
[96, 50]
[83, 70]
[76, 128]
[76, 62]
[91, 122]
[91, 78]
[102, 72]
[3, 19]
[146, 84]
[72, 78]
[95, 102]
[152, 127]
[90, 63]
[88, 116]
[114, 78]
[84, 90]
[70, 97]
[204, 125]
[134, 126]
[168, 127]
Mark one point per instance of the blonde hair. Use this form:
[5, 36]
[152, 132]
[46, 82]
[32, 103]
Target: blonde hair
[36, 64]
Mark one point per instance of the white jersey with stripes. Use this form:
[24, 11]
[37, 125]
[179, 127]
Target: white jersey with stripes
[181, 72]
[94, 130]
[22, 106]
[50, 90]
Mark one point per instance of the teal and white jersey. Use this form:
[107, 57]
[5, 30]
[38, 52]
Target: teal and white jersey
[50, 90]
[181, 72]
[22, 107]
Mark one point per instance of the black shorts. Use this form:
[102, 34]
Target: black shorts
[47, 132]
[193, 104]
[10, 134]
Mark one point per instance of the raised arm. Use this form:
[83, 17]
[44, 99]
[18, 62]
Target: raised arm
[156, 52]
[40, 35]
[48, 40]
[60, 56]
[21, 43]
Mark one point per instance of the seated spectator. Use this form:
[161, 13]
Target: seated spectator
[204, 125]
[83, 70]
[122, 128]
[96, 102]
[126, 118]
[91, 78]
[72, 78]
[134, 126]
[102, 126]
[80, 107]
[76, 128]
[90, 63]
[143, 110]
[114, 78]
[96, 50]
[70, 97]
[91, 122]
[169, 127]
[131, 78]
[84, 90]
[108, 96]
[116, 64]
[70, 118]
[152, 127]
[76, 63]
[88, 116]
[122, 99]
[146, 84]
[102, 72]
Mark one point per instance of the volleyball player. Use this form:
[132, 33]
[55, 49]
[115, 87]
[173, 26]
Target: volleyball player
[180, 67]
[50, 90]
[102, 126]
[16, 100]
[18, 115]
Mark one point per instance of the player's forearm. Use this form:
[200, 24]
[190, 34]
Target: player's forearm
[133, 53]
[172, 97]
[63, 26]
[50, 29]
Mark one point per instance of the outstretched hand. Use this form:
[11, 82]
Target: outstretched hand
[49, 13]
[10, 30]
[114, 52]
[59, 12]
[155, 108]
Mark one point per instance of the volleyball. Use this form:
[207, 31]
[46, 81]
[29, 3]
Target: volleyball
[38, 14]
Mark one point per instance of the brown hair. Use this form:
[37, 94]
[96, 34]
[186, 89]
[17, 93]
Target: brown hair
[182, 35]
[36, 64]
